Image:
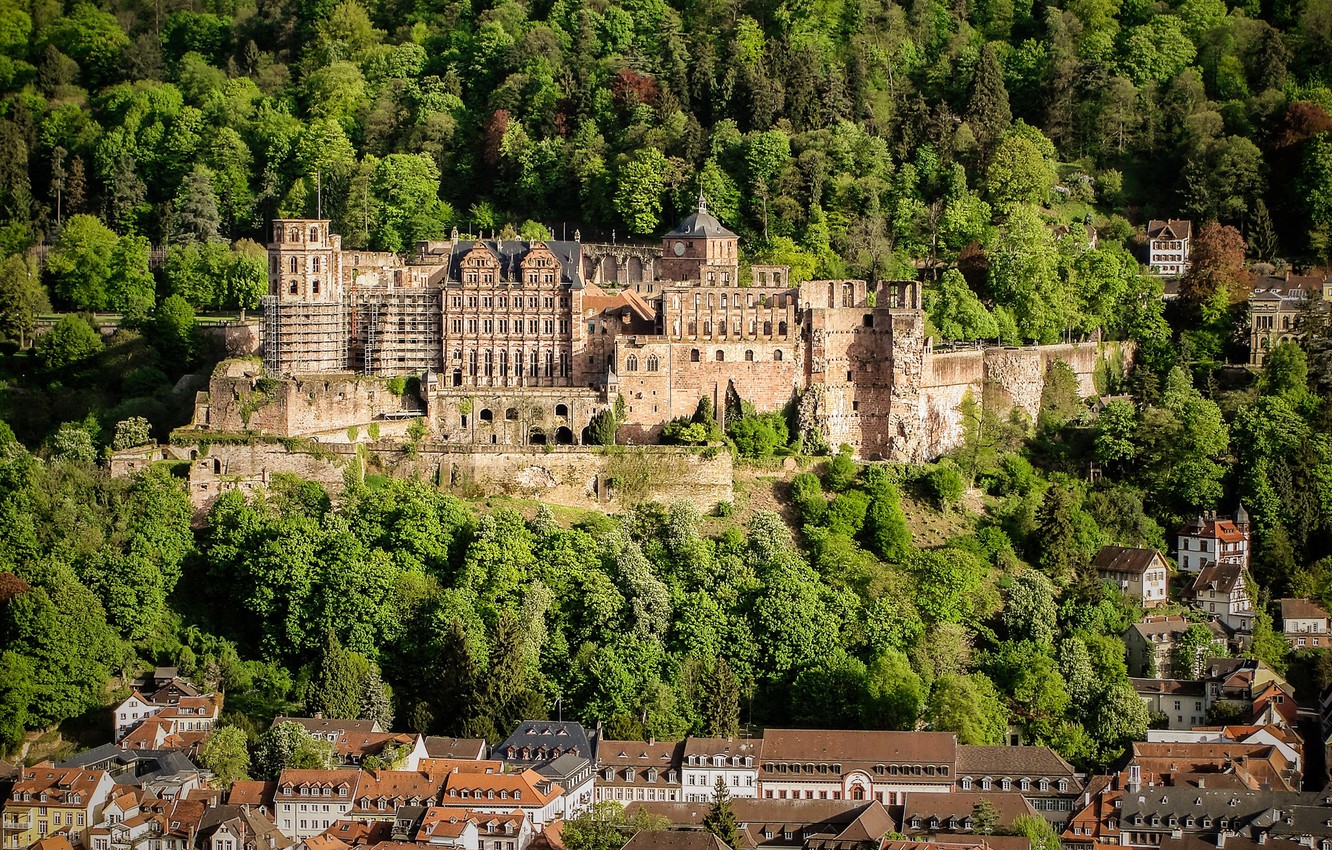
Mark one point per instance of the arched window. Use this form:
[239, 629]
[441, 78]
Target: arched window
[471, 363]
[631, 363]
[749, 355]
[293, 235]
[314, 233]
[511, 415]
[490, 363]
[652, 363]
[295, 287]
[693, 353]
[781, 328]
[562, 410]
[767, 328]
[721, 356]
[777, 355]
[487, 415]
[504, 363]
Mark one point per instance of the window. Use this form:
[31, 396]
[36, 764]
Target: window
[652, 363]
[693, 353]
[749, 356]
[721, 356]
[292, 265]
[631, 363]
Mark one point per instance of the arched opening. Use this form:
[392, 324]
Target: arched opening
[749, 355]
[777, 355]
[536, 437]
[564, 435]
[693, 355]
[631, 363]
[487, 415]
[562, 410]
[511, 414]
[781, 328]
[457, 377]
[217, 466]
[767, 328]
[194, 454]
[653, 364]
[721, 356]
[858, 792]
[586, 438]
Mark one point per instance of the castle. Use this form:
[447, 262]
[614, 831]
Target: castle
[521, 343]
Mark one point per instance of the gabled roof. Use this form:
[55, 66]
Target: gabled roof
[1127, 559]
[1213, 528]
[959, 805]
[510, 254]
[438, 747]
[545, 740]
[728, 747]
[1302, 609]
[1172, 624]
[842, 749]
[1035, 761]
[1221, 578]
[252, 792]
[326, 725]
[1174, 228]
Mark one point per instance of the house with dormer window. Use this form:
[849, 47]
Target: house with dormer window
[734, 761]
[46, 800]
[639, 770]
[1039, 774]
[307, 802]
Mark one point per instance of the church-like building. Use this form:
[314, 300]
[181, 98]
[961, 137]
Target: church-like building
[522, 342]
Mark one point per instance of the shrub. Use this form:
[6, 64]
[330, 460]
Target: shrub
[840, 473]
[944, 484]
[807, 496]
[397, 385]
[70, 342]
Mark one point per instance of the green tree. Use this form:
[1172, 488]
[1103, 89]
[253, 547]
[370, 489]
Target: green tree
[1286, 371]
[175, 331]
[226, 753]
[197, 207]
[1056, 536]
[1019, 173]
[987, 111]
[1029, 611]
[968, 706]
[70, 342]
[130, 286]
[80, 262]
[22, 298]
[640, 186]
[720, 819]
[719, 700]
[288, 746]
[17, 692]
[957, 313]
[984, 818]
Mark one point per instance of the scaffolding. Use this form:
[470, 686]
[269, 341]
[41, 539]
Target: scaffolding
[303, 337]
[403, 332]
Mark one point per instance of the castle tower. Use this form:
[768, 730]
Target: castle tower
[701, 249]
[306, 326]
[304, 261]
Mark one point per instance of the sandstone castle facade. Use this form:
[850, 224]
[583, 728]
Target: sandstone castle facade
[520, 343]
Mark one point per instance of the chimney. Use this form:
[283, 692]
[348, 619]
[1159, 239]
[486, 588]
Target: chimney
[1134, 778]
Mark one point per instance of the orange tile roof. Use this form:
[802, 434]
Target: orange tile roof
[523, 789]
[57, 781]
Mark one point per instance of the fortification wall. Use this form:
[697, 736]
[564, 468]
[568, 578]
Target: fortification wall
[1000, 379]
[607, 479]
[240, 398]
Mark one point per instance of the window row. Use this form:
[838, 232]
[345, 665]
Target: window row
[490, 364]
[490, 326]
[696, 356]
[504, 302]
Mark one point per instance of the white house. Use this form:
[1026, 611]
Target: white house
[132, 712]
[1168, 246]
[539, 799]
[733, 761]
[1141, 574]
[1221, 592]
[1305, 624]
[1210, 539]
[307, 802]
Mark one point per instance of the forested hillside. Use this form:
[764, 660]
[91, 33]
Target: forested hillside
[869, 133]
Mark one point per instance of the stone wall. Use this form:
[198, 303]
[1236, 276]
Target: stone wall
[999, 378]
[240, 398]
[605, 478]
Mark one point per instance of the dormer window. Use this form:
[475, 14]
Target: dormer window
[985, 784]
[966, 783]
[1063, 786]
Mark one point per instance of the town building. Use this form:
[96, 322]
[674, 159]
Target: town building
[439, 747]
[180, 715]
[734, 761]
[45, 800]
[526, 791]
[814, 764]
[1285, 739]
[1038, 773]
[1150, 644]
[537, 742]
[1220, 591]
[775, 824]
[308, 801]
[1211, 539]
[1168, 246]
[355, 741]
[1305, 624]
[1183, 703]
[639, 770]
[1277, 305]
[1140, 574]
[934, 814]
[577, 777]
